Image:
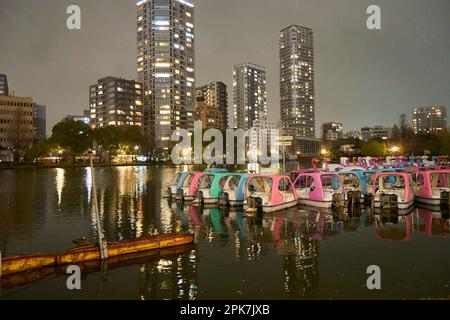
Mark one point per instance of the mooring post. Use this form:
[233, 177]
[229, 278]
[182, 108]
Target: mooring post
[196, 234]
[102, 243]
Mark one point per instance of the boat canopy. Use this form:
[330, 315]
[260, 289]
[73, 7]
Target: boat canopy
[216, 170]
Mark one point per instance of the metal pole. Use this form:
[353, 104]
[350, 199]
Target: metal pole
[284, 159]
[102, 243]
[196, 234]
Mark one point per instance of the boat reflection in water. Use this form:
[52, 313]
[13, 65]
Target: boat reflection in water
[434, 223]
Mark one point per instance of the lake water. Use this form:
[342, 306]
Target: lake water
[295, 254]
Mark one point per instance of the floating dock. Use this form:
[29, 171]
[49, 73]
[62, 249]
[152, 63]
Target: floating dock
[89, 253]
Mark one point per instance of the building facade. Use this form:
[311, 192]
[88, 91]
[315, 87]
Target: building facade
[366, 133]
[332, 131]
[297, 95]
[264, 136]
[4, 90]
[209, 115]
[166, 68]
[429, 120]
[16, 125]
[376, 132]
[383, 133]
[306, 147]
[249, 95]
[116, 102]
[215, 94]
[39, 121]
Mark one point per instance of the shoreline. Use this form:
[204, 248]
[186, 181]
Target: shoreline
[80, 165]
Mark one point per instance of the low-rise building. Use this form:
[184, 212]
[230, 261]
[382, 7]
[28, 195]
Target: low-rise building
[209, 115]
[332, 131]
[263, 137]
[429, 120]
[376, 132]
[16, 126]
[82, 118]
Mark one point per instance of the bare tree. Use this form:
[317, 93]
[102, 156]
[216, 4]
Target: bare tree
[19, 137]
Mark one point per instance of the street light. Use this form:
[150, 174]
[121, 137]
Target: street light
[136, 149]
[60, 152]
[395, 149]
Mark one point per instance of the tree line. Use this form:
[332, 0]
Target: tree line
[71, 139]
[407, 142]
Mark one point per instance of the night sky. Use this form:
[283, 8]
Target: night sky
[363, 77]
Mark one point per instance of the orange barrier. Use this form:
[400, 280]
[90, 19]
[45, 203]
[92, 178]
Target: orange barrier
[25, 263]
[92, 253]
[24, 278]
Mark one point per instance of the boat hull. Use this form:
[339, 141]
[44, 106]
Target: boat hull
[399, 205]
[316, 204]
[431, 201]
[269, 209]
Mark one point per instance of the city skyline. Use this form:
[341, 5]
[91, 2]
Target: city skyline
[352, 71]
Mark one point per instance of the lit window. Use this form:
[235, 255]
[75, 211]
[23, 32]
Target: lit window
[162, 75]
[162, 65]
[161, 23]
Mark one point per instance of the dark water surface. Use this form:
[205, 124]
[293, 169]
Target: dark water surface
[295, 254]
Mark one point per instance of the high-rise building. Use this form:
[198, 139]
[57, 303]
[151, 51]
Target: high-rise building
[431, 120]
[166, 68]
[215, 94]
[16, 125]
[403, 125]
[332, 131]
[209, 115]
[39, 121]
[4, 91]
[116, 102]
[249, 95]
[297, 81]
[403, 122]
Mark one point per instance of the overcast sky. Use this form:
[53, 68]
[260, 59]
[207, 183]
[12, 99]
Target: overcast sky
[362, 77]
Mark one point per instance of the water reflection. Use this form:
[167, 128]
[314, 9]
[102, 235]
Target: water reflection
[174, 278]
[284, 250]
[59, 182]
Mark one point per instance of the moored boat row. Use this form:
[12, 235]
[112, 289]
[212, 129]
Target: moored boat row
[384, 186]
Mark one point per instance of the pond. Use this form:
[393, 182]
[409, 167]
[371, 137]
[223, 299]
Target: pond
[294, 254]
